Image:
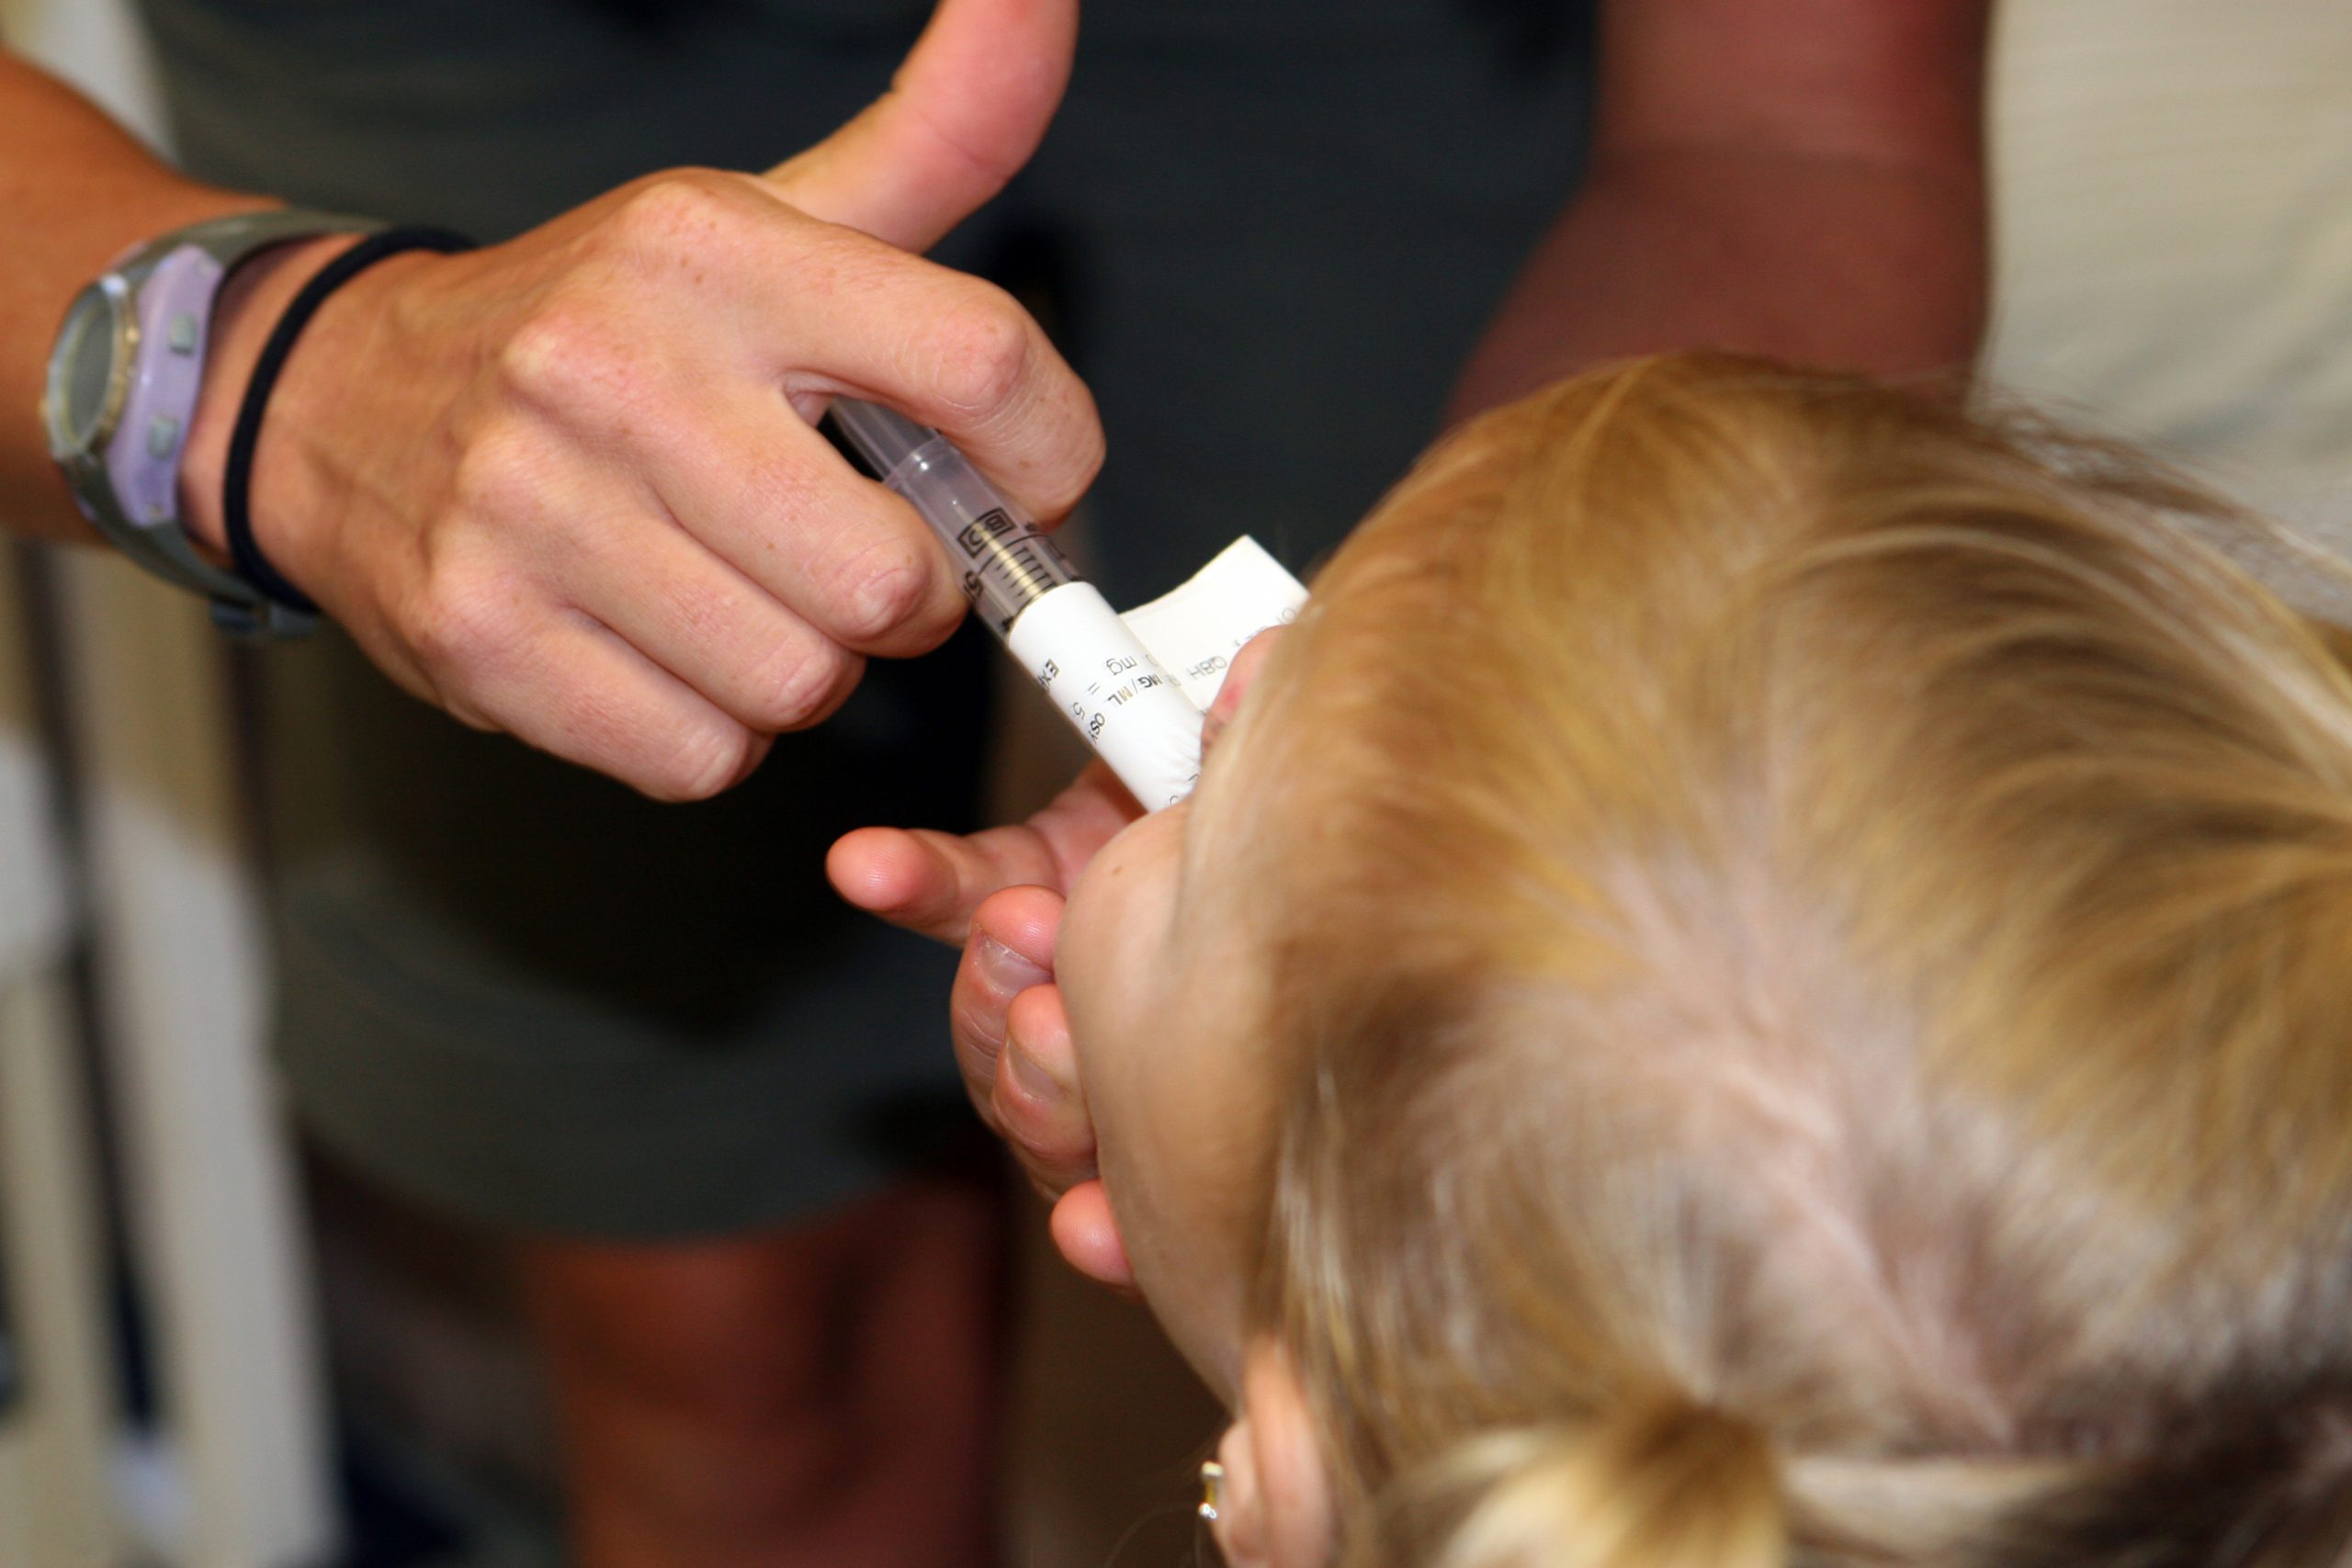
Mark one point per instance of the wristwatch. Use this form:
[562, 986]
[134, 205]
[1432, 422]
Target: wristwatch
[123, 380]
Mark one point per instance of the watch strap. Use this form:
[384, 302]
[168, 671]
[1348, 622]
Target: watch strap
[233, 238]
[130, 488]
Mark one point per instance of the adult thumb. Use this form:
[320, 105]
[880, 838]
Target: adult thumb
[966, 108]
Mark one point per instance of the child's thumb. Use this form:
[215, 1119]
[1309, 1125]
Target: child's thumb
[965, 110]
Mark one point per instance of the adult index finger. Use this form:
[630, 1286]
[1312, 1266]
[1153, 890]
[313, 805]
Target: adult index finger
[827, 310]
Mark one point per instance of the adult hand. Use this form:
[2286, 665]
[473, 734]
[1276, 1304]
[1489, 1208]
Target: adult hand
[566, 486]
[998, 895]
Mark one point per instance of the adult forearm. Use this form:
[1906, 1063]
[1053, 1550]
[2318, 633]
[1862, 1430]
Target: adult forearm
[1878, 265]
[1799, 178]
[75, 191]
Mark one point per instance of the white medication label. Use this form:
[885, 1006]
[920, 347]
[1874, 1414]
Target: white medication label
[1112, 691]
[1195, 629]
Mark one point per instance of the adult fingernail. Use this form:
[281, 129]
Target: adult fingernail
[1007, 970]
[1034, 1080]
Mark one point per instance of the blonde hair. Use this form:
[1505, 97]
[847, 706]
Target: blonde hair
[1813, 938]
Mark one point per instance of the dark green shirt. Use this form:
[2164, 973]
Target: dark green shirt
[1265, 230]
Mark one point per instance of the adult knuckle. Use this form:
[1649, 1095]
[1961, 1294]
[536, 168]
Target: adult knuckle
[467, 618]
[883, 590]
[676, 209]
[704, 760]
[554, 351]
[586, 359]
[495, 475]
[935, 615]
[795, 685]
[984, 354]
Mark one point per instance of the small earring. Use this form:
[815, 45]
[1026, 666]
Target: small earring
[1212, 1488]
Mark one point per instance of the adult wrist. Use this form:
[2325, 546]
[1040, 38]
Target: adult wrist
[251, 303]
[125, 379]
[252, 562]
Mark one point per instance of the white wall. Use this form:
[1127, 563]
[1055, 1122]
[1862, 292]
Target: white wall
[240, 1481]
[2174, 216]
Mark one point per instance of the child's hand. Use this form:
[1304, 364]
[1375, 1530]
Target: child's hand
[932, 883]
[998, 894]
[1006, 1010]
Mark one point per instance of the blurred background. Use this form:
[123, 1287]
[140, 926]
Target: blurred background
[215, 1354]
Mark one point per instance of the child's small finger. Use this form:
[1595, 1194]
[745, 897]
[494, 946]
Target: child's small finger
[1009, 949]
[906, 877]
[877, 869]
[1039, 1103]
[930, 881]
[1025, 921]
[1088, 1237]
[1038, 1023]
[1052, 1140]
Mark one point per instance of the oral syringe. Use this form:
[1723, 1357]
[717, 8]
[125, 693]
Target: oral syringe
[1059, 627]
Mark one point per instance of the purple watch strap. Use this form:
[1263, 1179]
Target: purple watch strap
[167, 369]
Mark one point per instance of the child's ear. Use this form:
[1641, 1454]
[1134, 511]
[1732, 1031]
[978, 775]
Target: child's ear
[1274, 1508]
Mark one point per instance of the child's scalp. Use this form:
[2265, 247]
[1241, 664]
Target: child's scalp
[1800, 905]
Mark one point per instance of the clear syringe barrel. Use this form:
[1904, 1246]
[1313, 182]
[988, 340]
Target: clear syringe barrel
[1061, 629]
[1007, 561]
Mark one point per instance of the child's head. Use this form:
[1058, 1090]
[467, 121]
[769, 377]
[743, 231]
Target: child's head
[1767, 973]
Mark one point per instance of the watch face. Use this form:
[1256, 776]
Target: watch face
[89, 372]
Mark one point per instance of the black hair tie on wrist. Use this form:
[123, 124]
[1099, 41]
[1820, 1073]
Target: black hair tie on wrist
[236, 483]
